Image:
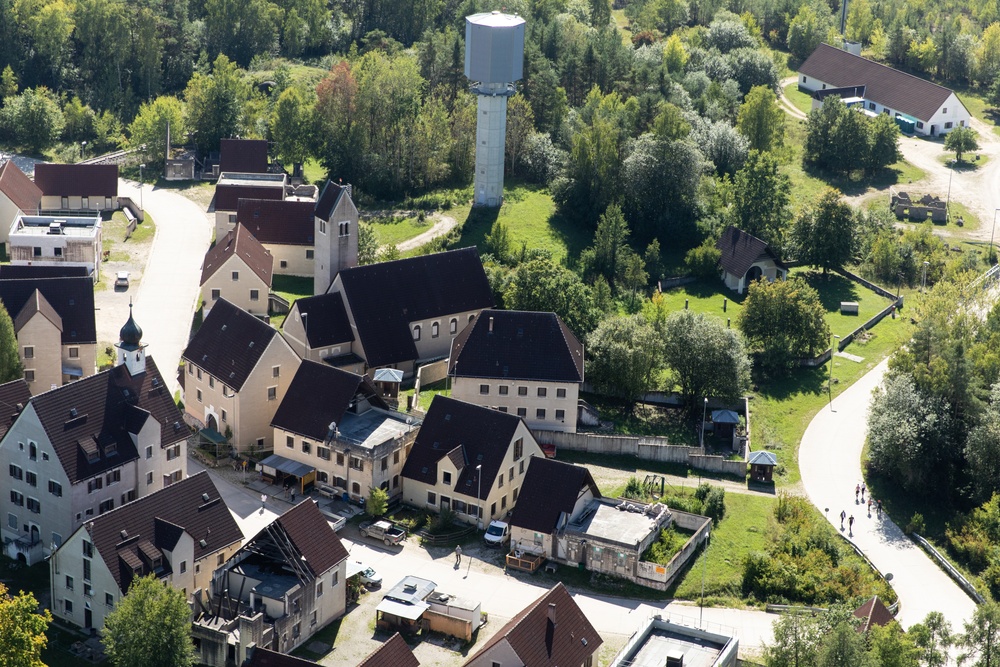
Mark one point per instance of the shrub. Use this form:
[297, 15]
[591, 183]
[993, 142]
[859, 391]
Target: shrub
[715, 504]
[378, 502]
[634, 490]
[664, 549]
[916, 524]
[703, 261]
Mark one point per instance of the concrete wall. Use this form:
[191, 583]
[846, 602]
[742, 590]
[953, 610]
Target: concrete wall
[447, 625]
[8, 214]
[430, 346]
[236, 291]
[75, 251]
[662, 576]
[85, 359]
[431, 373]
[527, 406]
[68, 561]
[336, 245]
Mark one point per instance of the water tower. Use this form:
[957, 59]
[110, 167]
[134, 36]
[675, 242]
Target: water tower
[494, 60]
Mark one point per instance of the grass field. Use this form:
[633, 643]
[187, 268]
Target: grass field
[834, 288]
[390, 231]
[314, 172]
[290, 288]
[979, 108]
[801, 101]
[427, 394]
[530, 216]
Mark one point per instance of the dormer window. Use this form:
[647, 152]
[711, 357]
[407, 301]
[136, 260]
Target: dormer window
[416, 332]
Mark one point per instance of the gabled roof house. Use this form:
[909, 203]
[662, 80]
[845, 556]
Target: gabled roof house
[238, 269]
[77, 187]
[746, 258]
[526, 363]
[18, 195]
[318, 329]
[285, 228]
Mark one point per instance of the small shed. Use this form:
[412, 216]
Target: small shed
[745, 258]
[387, 382]
[873, 612]
[724, 422]
[762, 463]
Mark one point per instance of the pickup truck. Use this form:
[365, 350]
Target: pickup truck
[382, 530]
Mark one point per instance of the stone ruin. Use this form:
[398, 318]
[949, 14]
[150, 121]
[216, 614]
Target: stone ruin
[926, 208]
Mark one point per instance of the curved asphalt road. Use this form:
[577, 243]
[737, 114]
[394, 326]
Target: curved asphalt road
[830, 462]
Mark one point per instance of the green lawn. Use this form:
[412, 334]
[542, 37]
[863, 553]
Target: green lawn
[708, 297]
[530, 215]
[289, 288]
[834, 288]
[979, 108]
[427, 394]
[314, 172]
[801, 101]
[390, 231]
[971, 162]
[741, 531]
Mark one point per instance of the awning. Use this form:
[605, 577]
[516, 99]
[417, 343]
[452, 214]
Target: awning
[287, 466]
[725, 417]
[410, 612]
[72, 370]
[212, 436]
[355, 567]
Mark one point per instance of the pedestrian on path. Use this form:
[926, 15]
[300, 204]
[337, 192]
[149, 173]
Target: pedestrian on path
[857, 490]
[843, 515]
[850, 524]
[458, 556]
[869, 507]
[263, 500]
[862, 493]
[878, 508]
[293, 500]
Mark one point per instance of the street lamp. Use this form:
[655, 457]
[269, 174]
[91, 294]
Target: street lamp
[83, 149]
[141, 206]
[704, 566]
[947, 206]
[704, 411]
[923, 282]
[829, 386]
[479, 498]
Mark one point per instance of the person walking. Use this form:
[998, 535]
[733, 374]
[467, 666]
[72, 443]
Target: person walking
[850, 524]
[857, 490]
[293, 498]
[458, 556]
[862, 493]
[843, 515]
[869, 507]
[878, 508]
[263, 500]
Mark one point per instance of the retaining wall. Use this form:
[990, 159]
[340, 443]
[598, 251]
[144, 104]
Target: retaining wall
[661, 577]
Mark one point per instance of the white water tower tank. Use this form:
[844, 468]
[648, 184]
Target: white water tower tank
[494, 47]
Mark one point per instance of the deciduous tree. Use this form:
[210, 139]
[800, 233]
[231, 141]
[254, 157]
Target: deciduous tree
[962, 140]
[22, 627]
[291, 126]
[706, 359]
[216, 104]
[150, 627]
[982, 450]
[149, 128]
[761, 120]
[540, 284]
[378, 502]
[10, 358]
[932, 638]
[824, 235]
[33, 119]
[761, 195]
[783, 322]
[981, 640]
[624, 356]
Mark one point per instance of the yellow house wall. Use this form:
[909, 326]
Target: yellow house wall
[295, 258]
[469, 389]
[41, 334]
[236, 292]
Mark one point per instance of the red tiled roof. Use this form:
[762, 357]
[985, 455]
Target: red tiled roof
[889, 87]
[313, 537]
[19, 188]
[393, 653]
[239, 242]
[77, 180]
[540, 642]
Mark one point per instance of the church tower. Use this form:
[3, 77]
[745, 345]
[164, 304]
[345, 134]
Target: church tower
[131, 350]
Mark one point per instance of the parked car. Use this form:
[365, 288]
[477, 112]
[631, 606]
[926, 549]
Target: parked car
[497, 534]
[121, 279]
[382, 530]
[371, 578]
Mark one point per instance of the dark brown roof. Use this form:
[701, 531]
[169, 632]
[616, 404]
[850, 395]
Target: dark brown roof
[312, 537]
[139, 531]
[483, 435]
[12, 394]
[244, 155]
[37, 303]
[239, 242]
[77, 180]
[740, 250]
[393, 653]
[328, 199]
[540, 642]
[71, 298]
[873, 612]
[229, 344]
[264, 657]
[228, 196]
[889, 87]
[385, 297]
[20, 189]
[12, 271]
[549, 488]
[318, 395]
[518, 345]
[324, 319]
[282, 222]
[97, 413]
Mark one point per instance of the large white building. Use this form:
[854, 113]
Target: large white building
[933, 109]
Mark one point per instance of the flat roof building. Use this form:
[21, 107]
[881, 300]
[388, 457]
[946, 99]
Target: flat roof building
[671, 643]
[42, 240]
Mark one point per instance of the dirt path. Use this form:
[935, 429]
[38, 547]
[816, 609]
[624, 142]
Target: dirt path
[786, 104]
[442, 225]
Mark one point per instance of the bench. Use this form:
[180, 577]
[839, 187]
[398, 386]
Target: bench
[848, 307]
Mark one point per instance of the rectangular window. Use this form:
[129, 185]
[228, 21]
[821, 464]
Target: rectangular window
[385, 463]
[306, 447]
[503, 502]
[542, 392]
[345, 229]
[275, 371]
[435, 330]
[340, 459]
[12, 521]
[290, 442]
[522, 391]
[219, 561]
[106, 506]
[149, 478]
[560, 393]
[510, 474]
[871, 105]
[319, 589]
[502, 408]
[85, 202]
[225, 416]
[69, 583]
[55, 488]
[518, 448]
[64, 203]
[216, 294]
[272, 393]
[335, 579]
[255, 295]
[114, 477]
[484, 389]
[322, 227]
[357, 464]
[945, 110]
[446, 477]
[520, 470]
[513, 496]
[86, 569]
[560, 415]
[493, 509]
[502, 390]
[199, 395]
[29, 376]
[453, 326]
[57, 252]
[522, 412]
[236, 275]
[31, 478]
[948, 125]
[37, 251]
[184, 566]
[17, 498]
[540, 413]
[309, 254]
[284, 264]
[431, 498]
[211, 382]
[395, 458]
[500, 481]
[109, 600]
[74, 353]
[16, 472]
[323, 453]
[29, 352]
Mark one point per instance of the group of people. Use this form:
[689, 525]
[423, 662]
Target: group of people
[859, 498]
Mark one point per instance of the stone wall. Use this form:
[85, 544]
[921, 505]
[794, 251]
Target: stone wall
[662, 577]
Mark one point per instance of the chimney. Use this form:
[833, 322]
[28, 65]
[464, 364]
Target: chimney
[552, 612]
[491, 324]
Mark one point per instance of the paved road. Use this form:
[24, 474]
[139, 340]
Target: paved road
[500, 595]
[165, 299]
[830, 462]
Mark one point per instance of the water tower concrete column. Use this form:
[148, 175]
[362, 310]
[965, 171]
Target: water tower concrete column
[491, 138]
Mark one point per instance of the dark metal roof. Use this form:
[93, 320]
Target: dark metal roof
[228, 196]
[483, 434]
[243, 244]
[888, 87]
[71, 298]
[89, 421]
[540, 642]
[519, 345]
[311, 536]
[229, 344]
[140, 531]
[12, 394]
[328, 199]
[319, 395]
[385, 297]
[325, 319]
[281, 222]
[244, 155]
[393, 653]
[77, 180]
[263, 657]
[549, 488]
[12, 271]
[740, 250]
[19, 188]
